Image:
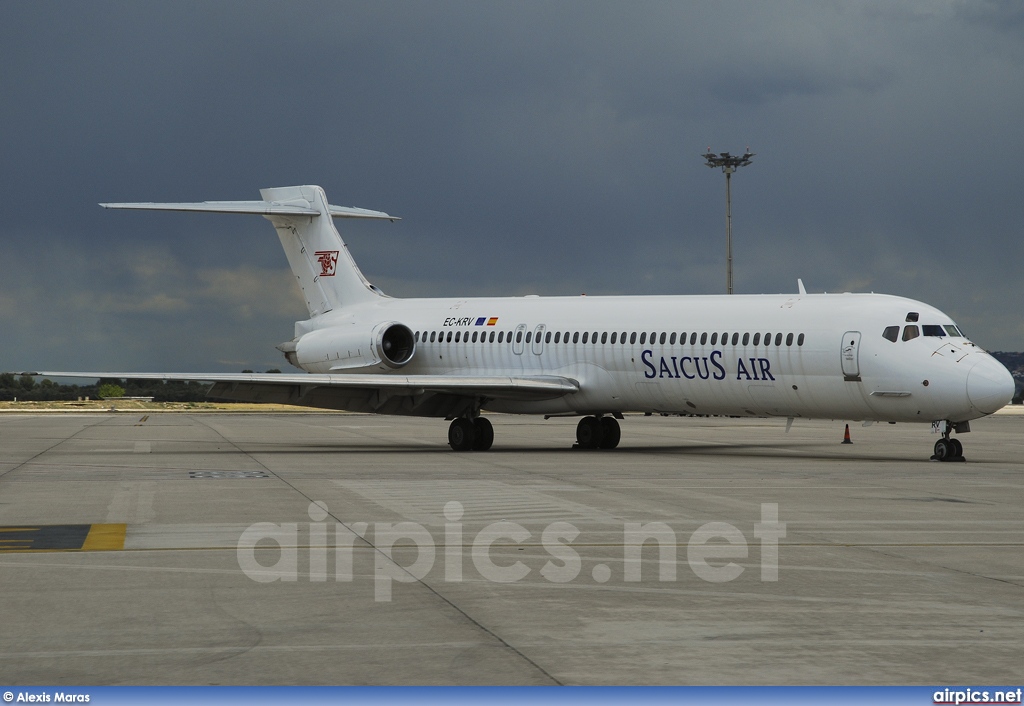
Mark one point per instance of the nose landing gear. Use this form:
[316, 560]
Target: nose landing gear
[948, 449]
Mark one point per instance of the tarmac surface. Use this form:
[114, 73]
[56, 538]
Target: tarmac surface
[150, 548]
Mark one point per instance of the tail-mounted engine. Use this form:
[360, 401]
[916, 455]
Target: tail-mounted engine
[389, 345]
[394, 344]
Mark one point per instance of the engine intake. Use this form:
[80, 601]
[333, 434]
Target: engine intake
[395, 344]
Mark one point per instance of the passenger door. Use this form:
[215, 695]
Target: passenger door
[850, 354]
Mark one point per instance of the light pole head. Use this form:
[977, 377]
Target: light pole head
[729, 163]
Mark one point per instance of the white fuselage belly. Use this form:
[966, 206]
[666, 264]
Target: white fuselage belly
[802, 375]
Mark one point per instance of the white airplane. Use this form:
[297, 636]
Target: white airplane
[866, 357]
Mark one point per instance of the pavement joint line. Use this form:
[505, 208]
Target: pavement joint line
[49, 448]
[426, 585]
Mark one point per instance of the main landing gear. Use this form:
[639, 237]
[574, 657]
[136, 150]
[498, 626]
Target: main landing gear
[470, 434]
[598, 433]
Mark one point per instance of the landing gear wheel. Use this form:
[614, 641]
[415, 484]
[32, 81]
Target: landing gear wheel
[462, 434]
[589, 433]
[957, 448]
[484, 434]
[610, 432]
[943, 450]
[948, 450]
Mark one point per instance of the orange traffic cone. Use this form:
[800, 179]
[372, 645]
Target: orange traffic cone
[846, 436]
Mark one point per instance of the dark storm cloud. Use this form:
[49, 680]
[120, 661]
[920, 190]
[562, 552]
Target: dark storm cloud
[530, 148]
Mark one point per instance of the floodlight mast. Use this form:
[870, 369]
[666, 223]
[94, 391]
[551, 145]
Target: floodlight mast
[729, 164]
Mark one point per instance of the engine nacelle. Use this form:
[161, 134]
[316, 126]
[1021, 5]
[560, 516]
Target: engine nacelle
[388, 345]
[394, 344]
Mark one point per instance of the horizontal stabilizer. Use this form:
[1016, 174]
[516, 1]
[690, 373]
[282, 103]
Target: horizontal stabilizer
[261, 208]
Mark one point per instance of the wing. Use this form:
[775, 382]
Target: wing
[429, 395]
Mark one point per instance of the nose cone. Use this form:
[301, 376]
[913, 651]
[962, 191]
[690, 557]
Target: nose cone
[989, 386]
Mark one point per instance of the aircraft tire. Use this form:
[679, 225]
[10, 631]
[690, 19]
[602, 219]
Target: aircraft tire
[957, 448]
[943, 450]
[462, 434]
[484, 434]
[589, 433]
[611, 433]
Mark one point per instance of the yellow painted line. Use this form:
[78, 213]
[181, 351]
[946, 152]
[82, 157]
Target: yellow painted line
[105, 538]
[19, 529]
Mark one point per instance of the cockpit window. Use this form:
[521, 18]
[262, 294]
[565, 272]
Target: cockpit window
[891, 333]
[933, 330]
[953, 331]
[910, 332]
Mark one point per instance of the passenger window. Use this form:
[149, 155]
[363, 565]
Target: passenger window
[576, 337]
[735, 338]
[693, 338]
[492, 337]
[800, 340]
[519, 336]
[672, 339]
[757, 338]
[529, 336]
[448, 338]
[586, 335]
[593, 337]
[891, 333]
[558, 336]
[662, 339]
[632, 338]
[682, 338]
[714, 338]
[604, 337]
[778, 339]
[789, 339]
[910, 333]
[746, 338]
[767, 339]
[933, 330]
[547, 337]
[615, 337]
[704, 338]
[725, 339]
[643, 337]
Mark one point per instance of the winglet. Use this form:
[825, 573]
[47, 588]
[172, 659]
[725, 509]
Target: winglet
[800, 286]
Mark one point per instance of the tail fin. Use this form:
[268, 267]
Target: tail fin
[319, 258]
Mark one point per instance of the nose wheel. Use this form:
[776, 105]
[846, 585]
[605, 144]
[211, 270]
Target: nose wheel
[948, 449]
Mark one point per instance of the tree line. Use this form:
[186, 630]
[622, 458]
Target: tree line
[26, 388]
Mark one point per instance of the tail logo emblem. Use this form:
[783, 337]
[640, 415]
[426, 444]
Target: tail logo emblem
[328, 260]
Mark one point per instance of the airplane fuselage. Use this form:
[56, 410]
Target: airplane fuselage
[806, 355]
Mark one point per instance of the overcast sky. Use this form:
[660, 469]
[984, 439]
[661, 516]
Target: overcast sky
[530, 148]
